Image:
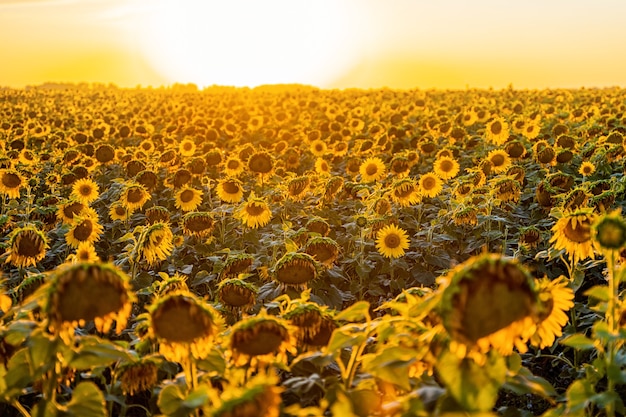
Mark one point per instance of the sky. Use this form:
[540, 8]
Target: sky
[404, 44]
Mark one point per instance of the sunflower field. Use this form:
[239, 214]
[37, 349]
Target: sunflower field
[292, 251]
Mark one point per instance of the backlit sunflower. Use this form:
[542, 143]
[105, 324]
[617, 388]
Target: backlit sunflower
[318, 147]
[324, 249]
[233, 166]
[138, 375]
[405, 192]
[236, 265]
[556, 299]
[500, 160]
[229, 190]
[83, 292]
[155, 243]
[322, 167]
[315, 323]
[85, 252]
[372, 169]
[11, 182]
[531, 130]
[497, 131]
[332, 187]
[446, 167]
[187, 147]
[254, 212]
[134, 196]
[261, 163]
[68, 210]
[572, 232]
[295, 269]
[259, 397]
[586, 168]
[183, 323]
[430, 185]
[199, 224]
[157, 214]
[297, 187]
[27, 246]
[237, 294]
[188, 199]
[609, 232]
[391, 241]
[488, 302]
[261, 338]
[118, 212]
[83, 229]
[84, 191]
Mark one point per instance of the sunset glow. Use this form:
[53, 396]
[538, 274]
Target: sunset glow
[330, 44]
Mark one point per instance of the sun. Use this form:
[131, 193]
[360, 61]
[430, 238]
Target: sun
[249, 43]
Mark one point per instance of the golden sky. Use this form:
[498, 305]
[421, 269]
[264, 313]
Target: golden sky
[327, 43]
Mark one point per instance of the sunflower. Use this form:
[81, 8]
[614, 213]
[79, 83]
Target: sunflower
[488, 302]
[199, 224]
[11, 182]
[259, 397]
[138, 375]
[318, 225]
[372, 169]
[318, 147]
[324, 249]
[118, 212]
[544, 153]
[261, 338]
[237, 294]
[609, 232]
[155, 243]
[261, 163]
[87, 291]
[332, 187]
[188, 199]
[391, 241]
[105, 153]
[295, 269]
[157, 214]
[446, 167]
[84, 191]
[400, 166]
[27, 246]
[229, 190]
[500, 160]
[586, 168]
[68, 210]
[315, 323]
[497, 131]
[430, 185]
[529, 237]
[134, 196]
[322, 167]
[254, 212]
[556, 299]
[85, 252]
[572, 232]
[233, 166]
[405, 192]
[297, 187]
[531, 130]
[236, 265]
[83, 229]
[187, 147]
[183, 323]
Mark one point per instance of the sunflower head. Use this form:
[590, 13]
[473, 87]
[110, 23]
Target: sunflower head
[609, 231]
[254, 213]
[261, 163]
[430, 185]
[198, 223]
[392, 241]
[324, 249]
[260, 397]
[156, 242]
[488, 302]
[555, 298]
[156, 214]
[315, 323]
[230, 190]
[27, 246]
[372, 169]
[295, 269]
[237, 264]
[236, 294]
[188, 199]
[318, 225]
[262, 336]
[405, 192]
[85, 190]
[572, 232]
[11, 182]
[87, 291]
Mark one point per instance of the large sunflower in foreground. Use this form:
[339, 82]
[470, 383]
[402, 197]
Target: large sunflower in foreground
[27, 246]
[556, 299]
[572, 232]
[11, 182]
[84, 292]
[488, 302]
[254, 213]
[392, 241]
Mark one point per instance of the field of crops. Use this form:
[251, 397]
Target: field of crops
[291, 251]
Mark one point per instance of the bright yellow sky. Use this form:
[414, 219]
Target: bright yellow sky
[327, 43]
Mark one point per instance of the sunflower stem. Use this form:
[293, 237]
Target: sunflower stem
[612, 314]
[16, 404]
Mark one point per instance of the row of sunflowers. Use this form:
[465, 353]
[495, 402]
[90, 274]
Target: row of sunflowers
[293, 251]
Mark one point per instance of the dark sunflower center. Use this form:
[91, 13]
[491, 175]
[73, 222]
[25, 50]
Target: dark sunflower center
[403, 192]
[232, 164]
[198, 224]
[187, 146]
[261, 339]
[497, 160]
[428, 147]
[167, 320]
[186, 196]
[120, 211]
[83, 231]
[30, 244]
[296, 272]
[85, 190]
[392, 241]
[230, 187]
[446, 166]
[371, 169]
[496, 128]
[319, 147]
[11, 180]
[581, 234]
[429, 183]
[261, 164]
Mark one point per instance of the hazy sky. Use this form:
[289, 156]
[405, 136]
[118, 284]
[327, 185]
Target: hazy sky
[328, 43]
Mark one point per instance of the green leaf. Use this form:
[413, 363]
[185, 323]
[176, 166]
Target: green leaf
[578, 341]
[578, 396]
[95, 352]
[599, 292]
[524, 382]
[356, 312]
[391, 365]
[344, 337]
[197, 398]
[170, 400]
[18, 374]
[87, 401]
[473, 386]
[213, 362]
[578, 278]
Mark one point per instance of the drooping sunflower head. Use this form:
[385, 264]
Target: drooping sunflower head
[315, 323]
[237, 294]
[237, 264]
[405, 192]
[297, 187]
[181, 321]
[262, 337]
[254, 213]
[157, 214]
[466, 216]
[324, 249]
[138, 376]
[507, 189]
[260, 397]
[229, 190]
[27, 246]
[88, 291]
[318, 225]
[198, 223]
[392, 241]
[372, 169]
[576, 198]
[400, 166]
[156, 242]
[295, 269]
[529, 237]
[332, 188]
[572, 232]
[488, 302]
[609, 232]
